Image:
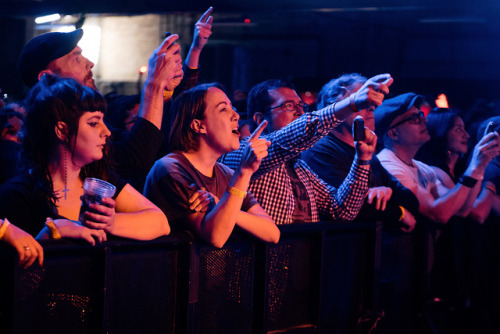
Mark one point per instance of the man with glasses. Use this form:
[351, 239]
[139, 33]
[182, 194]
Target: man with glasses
[402, 128]
[331, 157]
[284, 185]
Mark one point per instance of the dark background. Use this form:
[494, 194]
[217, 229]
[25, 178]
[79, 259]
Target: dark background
[429, 47]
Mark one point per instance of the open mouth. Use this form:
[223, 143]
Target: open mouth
[236, 132]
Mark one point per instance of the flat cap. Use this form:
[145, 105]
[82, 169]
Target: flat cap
[392, 108]
[41, 50]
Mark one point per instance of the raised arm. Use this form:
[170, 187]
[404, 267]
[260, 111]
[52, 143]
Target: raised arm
[202, 31]
[291, 140]
[164, 74]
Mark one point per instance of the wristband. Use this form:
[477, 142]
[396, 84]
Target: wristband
[467, 181]
[53, 229]
[167, 94]
[491, 188]
[3, 228]
[237, 192]
[362, 162]
[403, 212]
[352, 104]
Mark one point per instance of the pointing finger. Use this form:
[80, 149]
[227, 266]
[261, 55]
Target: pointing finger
[204, 18]
[258, 131]
[167, 42]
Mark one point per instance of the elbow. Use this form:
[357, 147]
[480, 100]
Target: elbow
[441, 218]
[275, 236]
[217, 243]
[164, 225]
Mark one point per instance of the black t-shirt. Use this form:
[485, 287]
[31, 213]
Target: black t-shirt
[331, 158]
[24, 207]
[173, 180]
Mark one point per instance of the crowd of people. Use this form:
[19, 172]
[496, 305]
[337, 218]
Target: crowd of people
[179, 161]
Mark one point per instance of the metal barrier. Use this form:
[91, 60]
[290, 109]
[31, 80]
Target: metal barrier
[320, 278]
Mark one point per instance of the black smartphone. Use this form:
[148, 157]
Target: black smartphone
[358, 128]
[489, 128]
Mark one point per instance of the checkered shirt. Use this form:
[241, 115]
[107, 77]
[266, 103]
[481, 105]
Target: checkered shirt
[271, 184]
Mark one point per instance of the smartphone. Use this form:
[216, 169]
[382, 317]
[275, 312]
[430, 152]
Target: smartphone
[358, 128]
[489, 128]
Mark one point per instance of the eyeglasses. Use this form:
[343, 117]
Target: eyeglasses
[413, 119]
[290, 106]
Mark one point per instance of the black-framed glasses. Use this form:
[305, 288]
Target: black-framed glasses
[290, 106]
[413, 119]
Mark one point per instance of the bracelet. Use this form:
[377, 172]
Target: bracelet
[167, 94]
[491, 188]
[352, 104]
[467, 181]
[362, 162]
[237, 192]
[53, 229]
[403, 212]
[3, 228]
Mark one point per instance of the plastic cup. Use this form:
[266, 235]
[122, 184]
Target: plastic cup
[94, 190]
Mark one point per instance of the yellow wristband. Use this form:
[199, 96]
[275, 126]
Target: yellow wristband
[53, 229]
[3, 228]
[167, 94]
[403, 212]
[237, 192]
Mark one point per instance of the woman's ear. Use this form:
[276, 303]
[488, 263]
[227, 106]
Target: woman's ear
[61, 129]
[198, 127]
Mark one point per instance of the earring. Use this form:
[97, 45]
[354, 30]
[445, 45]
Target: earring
[65, 190]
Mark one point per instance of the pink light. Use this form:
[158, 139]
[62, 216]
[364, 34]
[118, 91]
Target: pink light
[247, 20]
[143, 69]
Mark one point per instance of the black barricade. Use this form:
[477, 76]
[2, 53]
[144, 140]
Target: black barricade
[320, 278]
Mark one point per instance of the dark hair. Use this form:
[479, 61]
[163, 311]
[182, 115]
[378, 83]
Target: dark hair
[51, 100]
[334, 90]
[259, 99]
[435, 151]
[188, 106]
[118, 110]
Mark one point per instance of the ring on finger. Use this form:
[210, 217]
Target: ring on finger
[26, 248]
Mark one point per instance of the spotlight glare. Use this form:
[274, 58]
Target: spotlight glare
[442, 101]
[47, 18]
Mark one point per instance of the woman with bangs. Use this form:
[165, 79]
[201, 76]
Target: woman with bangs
[65, 141]
[204, 126]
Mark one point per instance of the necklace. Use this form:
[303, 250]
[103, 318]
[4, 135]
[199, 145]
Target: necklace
[407, 164]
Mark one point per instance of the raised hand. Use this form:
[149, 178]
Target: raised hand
[255, 150]
[365, 148]
[372, 93]
[165, 64]
[485, 150]
[203, 29]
